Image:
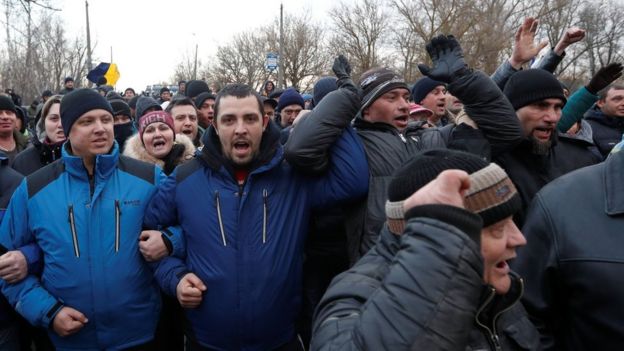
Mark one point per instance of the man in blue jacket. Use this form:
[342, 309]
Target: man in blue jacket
[85, 212]
[244, 212]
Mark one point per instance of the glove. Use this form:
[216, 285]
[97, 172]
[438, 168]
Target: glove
[342, 70]
[447, 59]
[605, 76]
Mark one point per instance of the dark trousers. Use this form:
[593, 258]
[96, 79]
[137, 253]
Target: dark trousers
[170, 330]
[293, 345]
[318, 272]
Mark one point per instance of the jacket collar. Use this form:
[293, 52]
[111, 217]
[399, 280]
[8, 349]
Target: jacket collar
[614, 187]
[104, 164]
[271, 151]
[360, 123]
[492, 305]
[596, 114]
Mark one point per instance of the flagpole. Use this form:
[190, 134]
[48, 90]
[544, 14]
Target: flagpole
[89, 63]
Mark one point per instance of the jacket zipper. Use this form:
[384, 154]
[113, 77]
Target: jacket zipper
[218, 205]
[117, 225]
[403, 138]
[505, 310]
[72, 227]
[265, 196]
[493, 337]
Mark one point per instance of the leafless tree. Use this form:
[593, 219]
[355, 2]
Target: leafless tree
[38, 52]
[305, 55]
[360, 30]
[242, 60]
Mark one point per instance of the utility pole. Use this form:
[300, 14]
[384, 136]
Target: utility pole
[195, 65]
[280, 72]
[89, 63]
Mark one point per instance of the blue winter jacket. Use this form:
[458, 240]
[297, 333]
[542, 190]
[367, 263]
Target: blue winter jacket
[89, 239]
[246, 243]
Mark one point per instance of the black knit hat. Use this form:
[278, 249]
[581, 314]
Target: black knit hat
[532, 85]
[120, 107]
[492, 195]
[79, 102]
[6, 103]
[290, 97]
[378, 81]
[199, 99]
[133, 102]
[143, 104]
[422, 87]
[196, 87]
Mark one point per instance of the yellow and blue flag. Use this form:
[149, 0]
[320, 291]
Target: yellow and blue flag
[106, 70]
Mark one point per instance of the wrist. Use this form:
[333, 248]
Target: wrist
[515, 64]
[560, 49]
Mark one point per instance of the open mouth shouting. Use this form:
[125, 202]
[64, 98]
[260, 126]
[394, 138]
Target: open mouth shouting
[241, 147]
[401, 121]
[543, 133]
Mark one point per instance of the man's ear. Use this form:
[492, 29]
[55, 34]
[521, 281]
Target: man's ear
[265, 122]
[600, 103]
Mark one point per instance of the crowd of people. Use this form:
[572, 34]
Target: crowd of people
[461, 212]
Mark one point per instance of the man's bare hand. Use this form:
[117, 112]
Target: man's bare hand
[68, 321]
[448, 188]
[571, 36]
[525, 48]
[13, 266]
[189, 291]
[152, 245]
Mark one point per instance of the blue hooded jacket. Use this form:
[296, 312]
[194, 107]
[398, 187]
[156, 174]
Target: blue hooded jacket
[246, 243]
[89, 239]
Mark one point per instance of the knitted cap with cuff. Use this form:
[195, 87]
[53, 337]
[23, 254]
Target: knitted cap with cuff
[376, 82]
[492, 195]
[155, 116]
[532, 85]
[79, 102]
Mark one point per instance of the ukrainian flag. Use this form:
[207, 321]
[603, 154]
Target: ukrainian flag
[106, 70]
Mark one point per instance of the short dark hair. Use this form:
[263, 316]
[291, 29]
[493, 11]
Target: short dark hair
[132, 90]
[180, 82]
[183, 101]
[602, 95]
[239, 91]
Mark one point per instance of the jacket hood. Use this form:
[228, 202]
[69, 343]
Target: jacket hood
[134, 148]
[595, 114]
[584, 135]
[270, 149]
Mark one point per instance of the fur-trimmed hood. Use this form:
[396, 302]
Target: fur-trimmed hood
[134, 148]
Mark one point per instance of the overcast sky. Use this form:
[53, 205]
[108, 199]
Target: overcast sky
[149, 37]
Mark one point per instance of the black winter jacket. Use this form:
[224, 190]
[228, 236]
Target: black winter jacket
[573, 261]
[35, 157]
[607, 131]
[423, 290]
[387, 149]
[530, 172]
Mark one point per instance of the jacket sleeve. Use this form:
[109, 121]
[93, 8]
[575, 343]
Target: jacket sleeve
[28, 297]
[550, 61]
[168, 272]
[34, 258]
[427, 300]
[486, 105]
[502, 74]
[573, 111]
[161, 214]
[347, 177]
[308, 146]
[537, 264]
